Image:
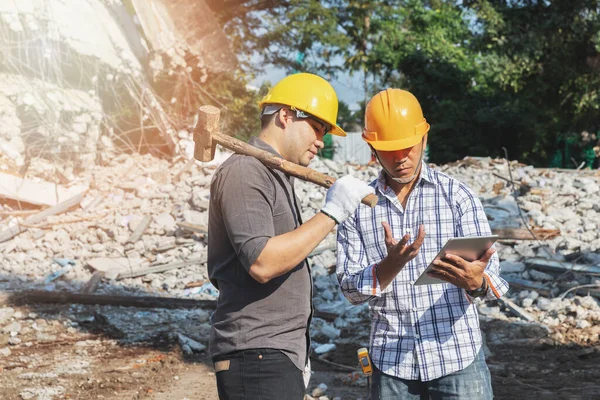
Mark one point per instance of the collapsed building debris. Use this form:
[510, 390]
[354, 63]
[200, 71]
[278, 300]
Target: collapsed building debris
[81, 78]
[119, 240]
[147, 235]
[137, 238]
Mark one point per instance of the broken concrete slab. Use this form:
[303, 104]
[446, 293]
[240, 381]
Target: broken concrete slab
[36, 192]
[40, 217]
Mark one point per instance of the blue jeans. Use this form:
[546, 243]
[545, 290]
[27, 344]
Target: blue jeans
[472, 383]
[259, 374]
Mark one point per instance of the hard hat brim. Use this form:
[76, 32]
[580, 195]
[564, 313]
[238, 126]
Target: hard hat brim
[394, 145]
[336, 130]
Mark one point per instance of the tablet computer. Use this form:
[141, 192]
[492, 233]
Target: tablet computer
[469, 248]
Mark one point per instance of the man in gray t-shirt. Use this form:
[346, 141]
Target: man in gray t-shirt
[258, 244]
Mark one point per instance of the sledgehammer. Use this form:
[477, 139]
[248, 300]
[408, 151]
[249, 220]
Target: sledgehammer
[207, 135]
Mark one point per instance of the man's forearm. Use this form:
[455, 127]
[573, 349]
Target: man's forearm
[386, 272]
[284, 252]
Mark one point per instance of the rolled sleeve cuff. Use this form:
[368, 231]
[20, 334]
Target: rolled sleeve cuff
[365, 282]
[368, 284]
[497, 287]
[251, 250]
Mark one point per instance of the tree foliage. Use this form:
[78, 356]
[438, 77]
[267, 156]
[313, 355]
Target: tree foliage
[490, 74]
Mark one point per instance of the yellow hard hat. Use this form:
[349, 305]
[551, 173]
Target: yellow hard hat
[394, 121]
[309, 93]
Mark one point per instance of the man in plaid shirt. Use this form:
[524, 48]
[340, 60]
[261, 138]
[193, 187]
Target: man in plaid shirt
[425, 339]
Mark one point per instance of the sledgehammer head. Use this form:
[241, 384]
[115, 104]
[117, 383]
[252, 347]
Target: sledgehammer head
[208, 122]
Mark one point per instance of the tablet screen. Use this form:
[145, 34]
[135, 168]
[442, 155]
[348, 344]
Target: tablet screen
[469, 248]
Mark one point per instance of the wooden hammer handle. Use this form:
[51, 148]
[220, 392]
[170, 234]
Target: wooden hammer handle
[207, 135]
[273, 161]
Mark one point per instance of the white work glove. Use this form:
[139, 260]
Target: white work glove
[344, 197]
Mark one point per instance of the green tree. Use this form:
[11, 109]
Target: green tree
[490, 74]
[349, 120]
[546, 57]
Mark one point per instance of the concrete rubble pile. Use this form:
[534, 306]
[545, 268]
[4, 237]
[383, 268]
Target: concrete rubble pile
[78, 76]
[141, 224]
[56, 77]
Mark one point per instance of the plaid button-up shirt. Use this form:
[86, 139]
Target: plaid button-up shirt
[417, 332]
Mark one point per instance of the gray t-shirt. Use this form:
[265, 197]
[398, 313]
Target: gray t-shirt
[250, 203]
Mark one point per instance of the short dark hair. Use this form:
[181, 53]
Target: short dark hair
[265, 120]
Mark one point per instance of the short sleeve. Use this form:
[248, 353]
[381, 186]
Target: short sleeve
[245, 193]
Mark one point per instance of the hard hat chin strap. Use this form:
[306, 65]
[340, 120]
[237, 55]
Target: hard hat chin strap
[403, 181]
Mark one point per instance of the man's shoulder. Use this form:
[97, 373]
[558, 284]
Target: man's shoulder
[245, 166]
[456, 185]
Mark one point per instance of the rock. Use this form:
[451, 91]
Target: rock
[329, 331]
[569, 243]
[190, 346]
[588, 302]
[523, 294]
[319, 390]
[533, 295]
[492, 312]
[42, 393]
[12, 328]
[133, 221]
[540, 276]
[156, 283]
[325, 348]
[13, 341]
[544, 304]
[98, 247]
[196, 217]
[327, 295]
[165, 221]
[583, 324]
[527, 302]
[524, 250]
[6, 314]
[511, 267]
[44, 337]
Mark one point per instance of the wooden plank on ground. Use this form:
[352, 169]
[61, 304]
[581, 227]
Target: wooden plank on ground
[160, 268]
[35, 297]
[524, 234]
[112, 267]
[9, 233]
[515, 309]
[193, 227]
[522, 284]
[556, 266]
[94, 203]
[195, 284]
[91, 285]
[47, 297]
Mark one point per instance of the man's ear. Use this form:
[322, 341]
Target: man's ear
[283, 116]
[373, 154]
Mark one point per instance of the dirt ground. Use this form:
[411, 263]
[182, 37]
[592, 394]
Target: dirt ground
[66, 362]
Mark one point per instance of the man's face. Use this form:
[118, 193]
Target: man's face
[303, 139]
[401, 164]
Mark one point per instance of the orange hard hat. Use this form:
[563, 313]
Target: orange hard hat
[394, 121]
